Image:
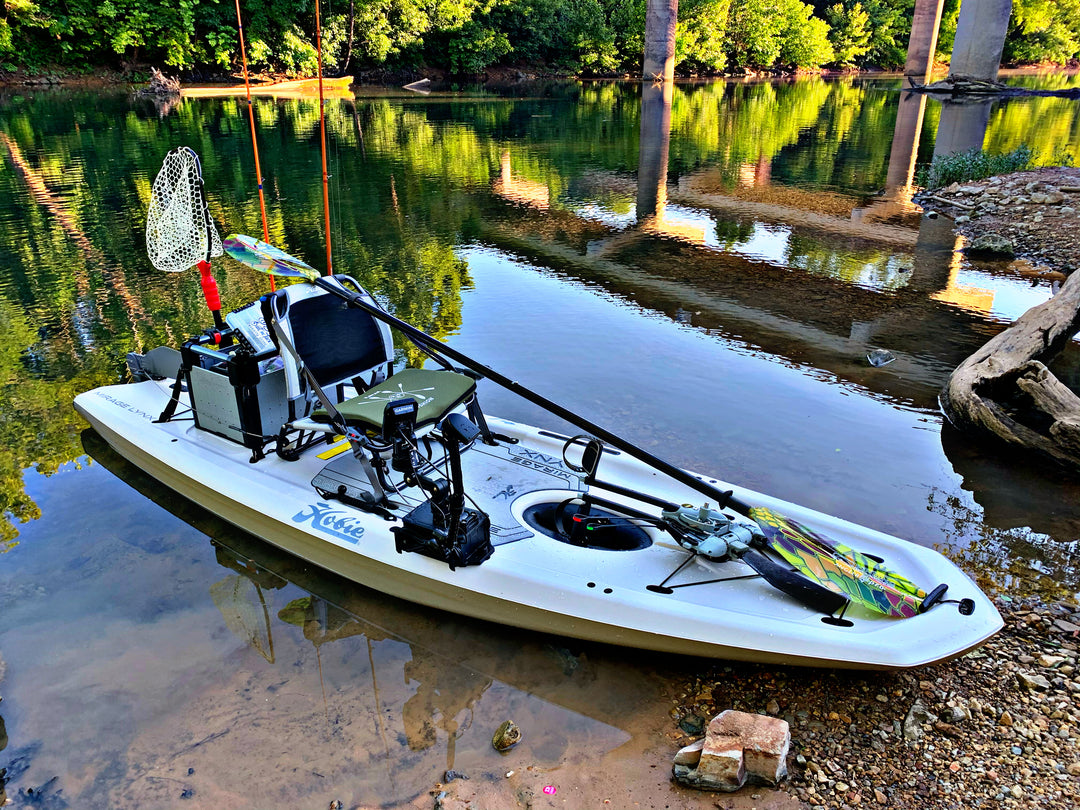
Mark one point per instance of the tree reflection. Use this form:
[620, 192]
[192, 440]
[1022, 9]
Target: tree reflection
[410, 180]
[79, 293]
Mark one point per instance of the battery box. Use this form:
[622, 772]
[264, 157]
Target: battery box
[235, 393]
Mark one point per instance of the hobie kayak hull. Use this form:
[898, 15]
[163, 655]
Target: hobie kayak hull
[534, 581]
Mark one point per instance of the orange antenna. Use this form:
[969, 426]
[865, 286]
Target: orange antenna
[254, 139]
[322, 138]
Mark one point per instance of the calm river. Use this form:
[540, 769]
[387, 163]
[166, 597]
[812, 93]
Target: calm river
[705, 273]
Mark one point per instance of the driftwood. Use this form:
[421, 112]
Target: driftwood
[160, 85]
[1006, 389]
[959, 86]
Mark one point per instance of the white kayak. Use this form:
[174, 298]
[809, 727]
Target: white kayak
[593, 574]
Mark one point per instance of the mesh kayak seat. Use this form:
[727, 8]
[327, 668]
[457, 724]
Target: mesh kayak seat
[341, 346]
[437, 393]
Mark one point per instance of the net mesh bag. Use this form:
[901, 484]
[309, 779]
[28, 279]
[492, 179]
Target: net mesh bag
[179, 229]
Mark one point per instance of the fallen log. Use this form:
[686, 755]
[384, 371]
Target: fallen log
[961, 86]
[1005, 388]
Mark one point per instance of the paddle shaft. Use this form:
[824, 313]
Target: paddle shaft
[722, 498]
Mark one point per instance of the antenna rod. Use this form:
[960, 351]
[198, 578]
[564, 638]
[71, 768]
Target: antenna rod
[322, 134]
[254, 140]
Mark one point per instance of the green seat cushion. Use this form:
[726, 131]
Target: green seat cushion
[436, 392]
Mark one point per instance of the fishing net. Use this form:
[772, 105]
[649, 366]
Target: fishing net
[180, 232]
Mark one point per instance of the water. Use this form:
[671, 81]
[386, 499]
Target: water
[705, 276]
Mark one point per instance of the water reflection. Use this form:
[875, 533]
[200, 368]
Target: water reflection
[783, 285]
[895, 201]
[962, 126]
[278, 684]
[773, 218]
[722, 250]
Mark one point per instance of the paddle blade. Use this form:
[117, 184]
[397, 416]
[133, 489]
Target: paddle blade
[798, 587]
[817, 558]
[266, 258]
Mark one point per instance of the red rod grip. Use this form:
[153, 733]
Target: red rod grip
[209, 287]
[210, 291]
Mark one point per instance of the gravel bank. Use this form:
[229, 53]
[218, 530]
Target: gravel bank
[1036, 210]
[996, 728]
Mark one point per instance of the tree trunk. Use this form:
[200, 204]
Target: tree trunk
[352, 31]
[1006, 389]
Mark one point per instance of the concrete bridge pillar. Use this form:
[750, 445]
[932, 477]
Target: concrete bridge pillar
[660, 19]
[961, 127]
[923, 42]
[980, 38]
[653, 149]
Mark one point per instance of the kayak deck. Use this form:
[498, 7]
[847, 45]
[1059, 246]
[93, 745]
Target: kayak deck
[535, 580]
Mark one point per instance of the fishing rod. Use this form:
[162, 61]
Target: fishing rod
[322, 142]
[826, 576]
[254, 139]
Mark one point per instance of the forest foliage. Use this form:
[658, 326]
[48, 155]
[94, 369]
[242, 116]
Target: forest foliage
[470, 36]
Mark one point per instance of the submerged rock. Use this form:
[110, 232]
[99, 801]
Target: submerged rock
[692, 724]
[506, 736]
[880, 357]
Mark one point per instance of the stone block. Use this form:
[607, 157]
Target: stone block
[690, 755]
[722, 763]
[765, 742]
[738, 747]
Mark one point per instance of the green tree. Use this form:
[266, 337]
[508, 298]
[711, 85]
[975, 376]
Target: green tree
[849, 32]
[476, 46]
[702, 28]
[1043, 31]
[753, 34]
[762, 32]
[890, 28]
[950, 14]
[805, 40]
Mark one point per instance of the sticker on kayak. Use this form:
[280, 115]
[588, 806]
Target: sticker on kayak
[540, 461]
[121, 404]
[335, 522]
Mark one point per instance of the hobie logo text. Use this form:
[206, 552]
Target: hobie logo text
[332, 521]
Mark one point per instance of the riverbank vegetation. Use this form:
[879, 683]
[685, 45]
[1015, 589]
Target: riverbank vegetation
[199, 37]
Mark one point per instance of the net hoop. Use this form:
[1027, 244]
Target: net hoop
[180, 232]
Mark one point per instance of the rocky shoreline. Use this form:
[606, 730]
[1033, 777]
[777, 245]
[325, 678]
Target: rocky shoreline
[997, 727]
[1035, 211]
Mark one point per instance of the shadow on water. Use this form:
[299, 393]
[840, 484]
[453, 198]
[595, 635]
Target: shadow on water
[1010, 535]
[295, 684]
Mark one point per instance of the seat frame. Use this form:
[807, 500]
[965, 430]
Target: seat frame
[302, 431]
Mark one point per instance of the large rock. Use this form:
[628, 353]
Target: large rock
[916, 717]
[992, 244]
[737, 748]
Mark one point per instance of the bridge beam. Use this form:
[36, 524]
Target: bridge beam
[660, 19]
[980, 38]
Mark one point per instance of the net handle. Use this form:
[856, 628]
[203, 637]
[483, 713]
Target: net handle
[208, 221]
